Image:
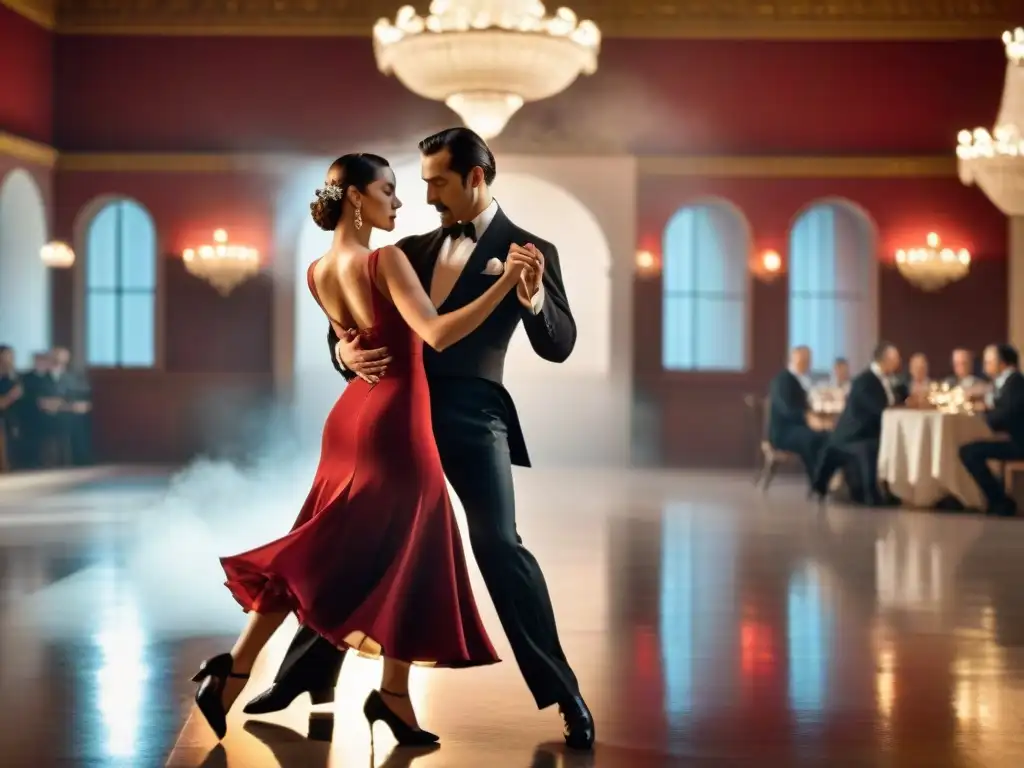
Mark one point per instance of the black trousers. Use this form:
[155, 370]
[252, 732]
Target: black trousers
[806, 443]
[975, 458]
[859, 460]
[470, 428]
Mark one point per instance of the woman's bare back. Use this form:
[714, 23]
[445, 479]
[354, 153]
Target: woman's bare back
[341, 281]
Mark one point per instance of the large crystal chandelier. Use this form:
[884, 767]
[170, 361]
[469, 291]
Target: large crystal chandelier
[223, 265]
[995, 161]
[486, 58]
[933, 267]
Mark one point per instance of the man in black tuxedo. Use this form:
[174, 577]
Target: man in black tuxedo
[1004, 412]
[475, 422]
[788, 429]
[853, 444]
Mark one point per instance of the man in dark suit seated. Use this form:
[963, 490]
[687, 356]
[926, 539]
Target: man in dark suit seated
[1004, 413]
[853, 444]
[788, 429]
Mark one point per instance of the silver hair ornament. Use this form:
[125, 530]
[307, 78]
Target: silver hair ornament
[331, 192]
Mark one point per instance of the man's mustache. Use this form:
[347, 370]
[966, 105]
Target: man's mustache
[440, 208]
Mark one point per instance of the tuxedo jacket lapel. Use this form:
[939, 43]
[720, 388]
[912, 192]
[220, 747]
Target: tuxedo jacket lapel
[424, 258]
[492, 245]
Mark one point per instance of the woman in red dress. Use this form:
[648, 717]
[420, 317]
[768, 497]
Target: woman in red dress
[374, 560]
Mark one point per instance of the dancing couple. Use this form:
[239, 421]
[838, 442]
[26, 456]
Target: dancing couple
[374, 562]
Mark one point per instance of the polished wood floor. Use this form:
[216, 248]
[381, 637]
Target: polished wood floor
[709, 626]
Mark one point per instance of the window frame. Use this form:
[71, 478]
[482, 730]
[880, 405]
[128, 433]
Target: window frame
[83, 224]
[864, 297]
[711, 376]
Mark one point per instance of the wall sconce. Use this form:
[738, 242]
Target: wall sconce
[768, 266]
[57, 255]
[223, 265]
[647, 264]
[932, 267]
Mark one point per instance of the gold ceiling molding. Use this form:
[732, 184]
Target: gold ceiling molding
[836, 167]
[27, 151]
[706, 167]
[681, 19]
[42, 12]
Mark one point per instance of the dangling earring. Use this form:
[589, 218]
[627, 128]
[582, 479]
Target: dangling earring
[359, 217]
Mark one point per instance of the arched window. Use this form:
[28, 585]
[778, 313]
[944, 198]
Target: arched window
[704, 290]
[120, 287]
[832, 273]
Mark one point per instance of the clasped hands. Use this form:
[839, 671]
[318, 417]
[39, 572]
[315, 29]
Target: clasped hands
[532, 278]
[370, 364]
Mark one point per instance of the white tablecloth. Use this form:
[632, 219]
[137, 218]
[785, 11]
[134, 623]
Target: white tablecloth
[918, 456]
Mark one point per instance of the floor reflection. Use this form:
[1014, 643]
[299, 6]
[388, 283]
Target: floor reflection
[707, 624]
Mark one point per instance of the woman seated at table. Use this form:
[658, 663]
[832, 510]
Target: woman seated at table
[853, 444]
[919, 383]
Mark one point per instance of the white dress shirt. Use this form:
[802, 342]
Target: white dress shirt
[804, 379]
[454, 255]
[886, 383]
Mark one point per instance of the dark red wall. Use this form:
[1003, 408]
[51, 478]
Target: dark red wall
[26, 78]
[216, 351]
[648, 96]
[971, 313]
[186, 209]
[125, 94]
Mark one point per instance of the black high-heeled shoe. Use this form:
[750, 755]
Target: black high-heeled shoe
[211, 677]
[375, 708]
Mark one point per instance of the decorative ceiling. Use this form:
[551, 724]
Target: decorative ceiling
[683, 19]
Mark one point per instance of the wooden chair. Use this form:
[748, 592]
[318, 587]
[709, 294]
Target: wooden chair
[1010, 469]
[768, 458]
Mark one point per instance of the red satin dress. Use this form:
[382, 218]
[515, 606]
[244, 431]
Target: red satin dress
[374, 560]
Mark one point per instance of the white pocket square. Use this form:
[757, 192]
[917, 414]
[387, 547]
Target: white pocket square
[494, 267]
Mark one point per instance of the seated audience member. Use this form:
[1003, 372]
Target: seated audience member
[11, 392]
[788, 429]
[1005, 414]
[853, 444]
[964, 375]
[74, 422]
[841, 375]
[918, 383]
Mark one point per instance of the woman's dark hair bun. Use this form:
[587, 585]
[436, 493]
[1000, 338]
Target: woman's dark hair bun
[358, 170]
[326, 212]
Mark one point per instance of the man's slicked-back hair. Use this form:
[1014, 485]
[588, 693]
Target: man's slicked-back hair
[467, 150]
[1007, 354]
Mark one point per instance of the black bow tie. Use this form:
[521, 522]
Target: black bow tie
[455, 231]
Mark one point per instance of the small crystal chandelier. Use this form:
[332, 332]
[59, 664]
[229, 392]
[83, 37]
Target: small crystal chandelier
[933, 267]
[486, 58]
[995, 161]
[57, 255]
[222, 265]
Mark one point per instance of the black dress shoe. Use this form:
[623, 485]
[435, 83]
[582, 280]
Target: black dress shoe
[280, 695]
[1007, 507]
[578, 723]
